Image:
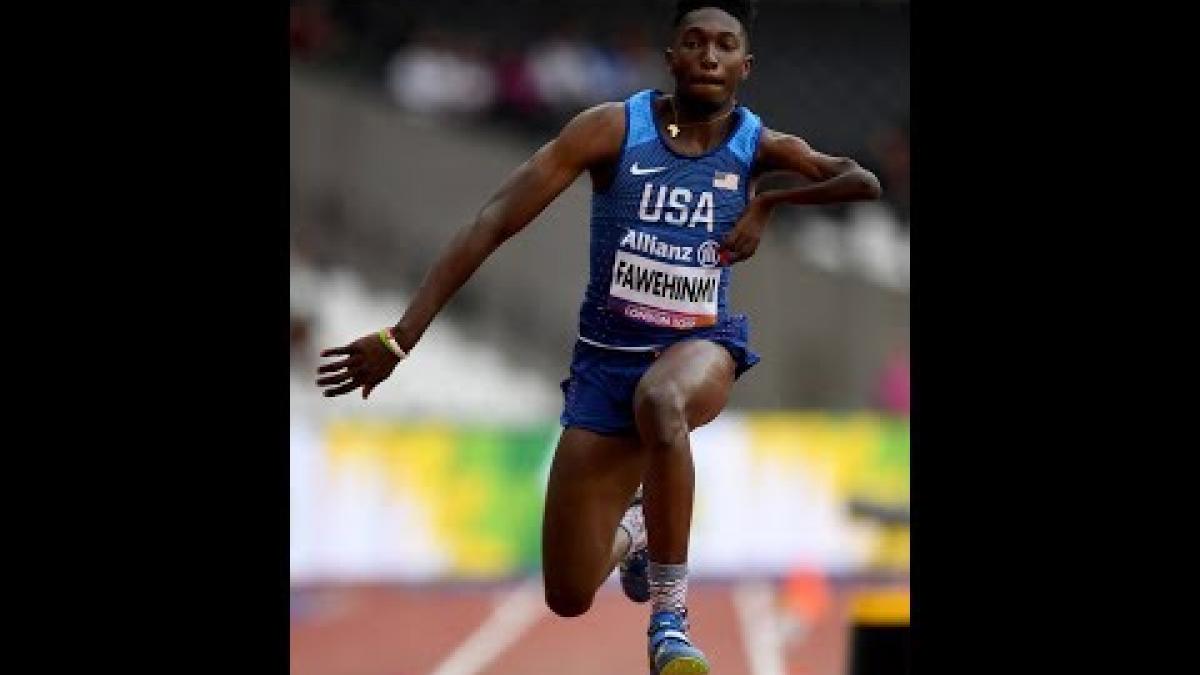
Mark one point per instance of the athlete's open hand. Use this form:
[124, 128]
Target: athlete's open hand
[742, 241]
[366, 362]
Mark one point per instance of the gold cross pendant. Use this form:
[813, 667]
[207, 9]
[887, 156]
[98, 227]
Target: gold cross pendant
[674, 130]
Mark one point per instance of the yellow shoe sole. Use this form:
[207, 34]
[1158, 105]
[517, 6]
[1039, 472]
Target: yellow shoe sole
[685, 665]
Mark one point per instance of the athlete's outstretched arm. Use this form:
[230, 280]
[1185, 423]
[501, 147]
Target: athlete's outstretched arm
[835, 179]
[588, 140]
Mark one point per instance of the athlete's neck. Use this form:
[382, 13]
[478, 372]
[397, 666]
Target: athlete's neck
[697, 131]
[691, 111]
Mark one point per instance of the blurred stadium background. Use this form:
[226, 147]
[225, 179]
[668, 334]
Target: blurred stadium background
[415, 518]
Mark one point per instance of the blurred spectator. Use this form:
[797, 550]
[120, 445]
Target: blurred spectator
[517, 93]
[560, 71]
[874, 246]
[437, 76]
[607, 72]
[605, 51]
[644, 64]
[819, 240]
[563, 74]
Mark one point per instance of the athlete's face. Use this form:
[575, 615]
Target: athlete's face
[708, 57]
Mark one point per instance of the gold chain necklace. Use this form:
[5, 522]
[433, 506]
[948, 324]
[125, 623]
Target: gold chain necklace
[673, 127]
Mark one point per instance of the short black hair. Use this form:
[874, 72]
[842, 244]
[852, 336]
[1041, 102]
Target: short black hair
[743, 10]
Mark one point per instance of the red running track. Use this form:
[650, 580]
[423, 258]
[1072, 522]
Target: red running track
[411, 630]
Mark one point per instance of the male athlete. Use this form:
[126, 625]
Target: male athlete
[673, 207]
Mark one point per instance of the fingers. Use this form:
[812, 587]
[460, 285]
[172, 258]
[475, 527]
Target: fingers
[737, 248]
[337, 365]
[731, 254]
[338, 351]
[334, 379]
[344, 389]
[362, 367]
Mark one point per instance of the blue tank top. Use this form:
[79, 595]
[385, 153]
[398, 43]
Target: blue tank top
[655, 233]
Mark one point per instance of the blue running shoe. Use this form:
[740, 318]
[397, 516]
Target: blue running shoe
[635, 577]
[671, 652]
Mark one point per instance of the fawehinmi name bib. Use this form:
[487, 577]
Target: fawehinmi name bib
[661, 294]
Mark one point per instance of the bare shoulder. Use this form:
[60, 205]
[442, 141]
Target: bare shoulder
[605, 117]
[775, 137]
[779, 151]
[774, 144]
[595, 134]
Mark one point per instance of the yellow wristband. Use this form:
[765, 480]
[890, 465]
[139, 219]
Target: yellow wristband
[385, 336]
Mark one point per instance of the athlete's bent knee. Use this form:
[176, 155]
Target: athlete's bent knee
[568, 604]
[660, 414]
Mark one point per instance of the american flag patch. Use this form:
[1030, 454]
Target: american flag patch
[725, 181]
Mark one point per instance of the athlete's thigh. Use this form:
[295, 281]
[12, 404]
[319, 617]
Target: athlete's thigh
[592, 479]
[702, 372]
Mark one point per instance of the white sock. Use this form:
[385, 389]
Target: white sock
[668, 587]
[634, 523]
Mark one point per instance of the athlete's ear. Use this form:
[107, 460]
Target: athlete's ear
[746, 66]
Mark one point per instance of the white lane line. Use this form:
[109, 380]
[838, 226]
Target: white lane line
[512, 616]
[761, 635]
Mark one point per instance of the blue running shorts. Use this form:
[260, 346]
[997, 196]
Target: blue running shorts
[598, 393]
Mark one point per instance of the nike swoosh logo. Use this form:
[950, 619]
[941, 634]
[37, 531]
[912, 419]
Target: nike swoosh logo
[642, 172]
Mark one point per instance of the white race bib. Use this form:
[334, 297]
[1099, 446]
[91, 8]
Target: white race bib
[661, 294]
